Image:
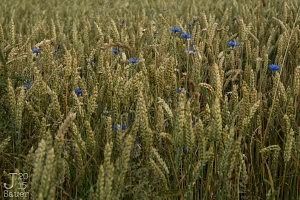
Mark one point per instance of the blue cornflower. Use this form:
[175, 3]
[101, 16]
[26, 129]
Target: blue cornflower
[27, 84]
[186, 36]
[274, 67]
[78, 91]
[115, 50]
[36, 50]
[176, 29]
[133, 60]
[232, 43]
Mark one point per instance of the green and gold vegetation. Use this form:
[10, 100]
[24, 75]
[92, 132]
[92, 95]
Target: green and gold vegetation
[190, 119]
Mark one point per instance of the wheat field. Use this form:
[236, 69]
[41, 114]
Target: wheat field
[150, 99]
